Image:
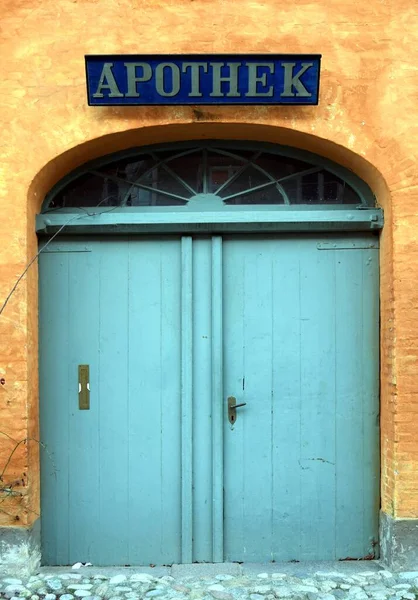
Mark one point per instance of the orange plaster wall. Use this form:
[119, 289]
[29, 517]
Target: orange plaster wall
[366, 120]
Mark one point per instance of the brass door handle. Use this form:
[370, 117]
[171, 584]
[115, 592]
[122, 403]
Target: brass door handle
[232, 409]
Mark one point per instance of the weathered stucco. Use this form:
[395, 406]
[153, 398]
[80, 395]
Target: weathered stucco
[366, 120]
[20, 553]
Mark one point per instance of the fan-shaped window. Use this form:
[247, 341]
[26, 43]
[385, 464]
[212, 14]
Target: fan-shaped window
[175, 177]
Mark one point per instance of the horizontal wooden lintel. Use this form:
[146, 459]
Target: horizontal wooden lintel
[121, 222]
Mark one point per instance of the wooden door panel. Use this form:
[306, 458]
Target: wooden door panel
[301, 349]
[113, 495]
[142, 477]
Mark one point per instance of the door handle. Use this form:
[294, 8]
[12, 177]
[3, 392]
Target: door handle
[232, 409]
[83, 387]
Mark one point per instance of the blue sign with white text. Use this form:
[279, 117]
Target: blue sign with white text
[116, 80]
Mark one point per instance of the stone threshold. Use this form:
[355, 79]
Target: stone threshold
[299, 569]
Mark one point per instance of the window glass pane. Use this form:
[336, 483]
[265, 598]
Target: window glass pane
[116, 187]
[242, 155]
[130, 168]
[189, 169]
[172, 177]
[160, 179]
[220, 168]
[249, 178]
[153, 198]
[87, 190]
[281, 166]
[271, 195]
[322, 187]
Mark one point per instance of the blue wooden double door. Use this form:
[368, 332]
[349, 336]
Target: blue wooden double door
[154, 472]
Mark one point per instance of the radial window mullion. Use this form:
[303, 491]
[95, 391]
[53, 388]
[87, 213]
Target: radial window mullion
[143, 186]
[238, 173]
[300, 174]
[205, 170]
[250, 161]
[163, 192]
[321, 186]
[230, 154]
[175, 176]
[269, 183]
[264, 175]
[159, 162]
[281, 189]
[250, 190]
[253, 164]
[181, 154]
[154, 186]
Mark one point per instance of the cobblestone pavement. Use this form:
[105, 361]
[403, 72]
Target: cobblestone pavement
[352, 584]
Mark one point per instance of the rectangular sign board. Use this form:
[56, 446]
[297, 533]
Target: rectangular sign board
[167, 79]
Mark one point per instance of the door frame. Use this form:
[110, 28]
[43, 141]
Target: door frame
[367, 217]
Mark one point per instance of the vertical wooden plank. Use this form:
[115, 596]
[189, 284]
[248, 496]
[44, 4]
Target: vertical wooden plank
[248, 370]
[287, 399]
[318, 384]
[218, 401]
[256, 417]
[370, 398]
[84, 469]
[153, 426]
[260, 398]
[349, 404]
[186, 398]
[202, 401]
[234, 385]
[170, 400]
[113, 407]
[54, 397]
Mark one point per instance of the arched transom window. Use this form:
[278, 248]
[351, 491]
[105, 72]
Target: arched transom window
[209, 175]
